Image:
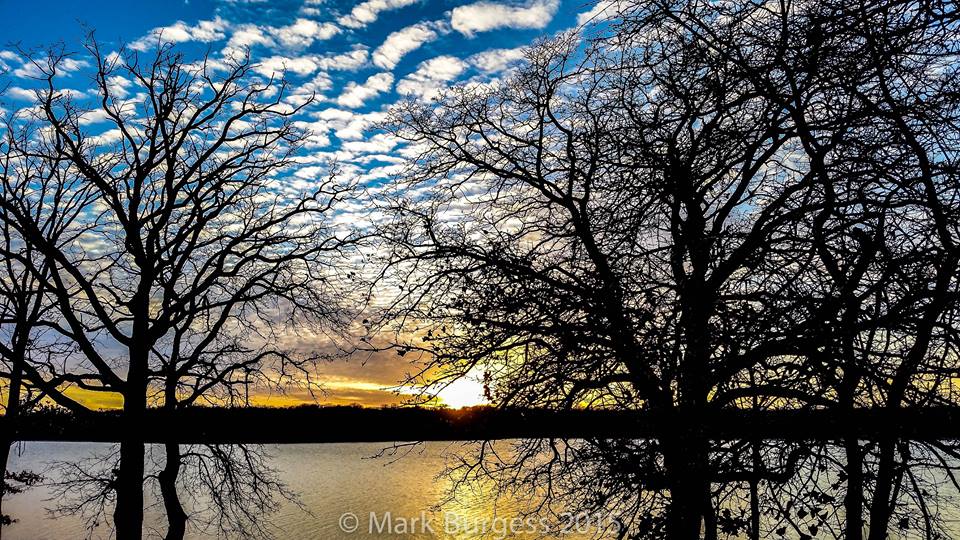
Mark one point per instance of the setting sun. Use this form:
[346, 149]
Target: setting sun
[462, 393]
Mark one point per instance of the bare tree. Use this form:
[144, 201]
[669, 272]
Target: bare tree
[28, 347]
[700, 208]
[616, 254]
[195, 253]
[876, 115]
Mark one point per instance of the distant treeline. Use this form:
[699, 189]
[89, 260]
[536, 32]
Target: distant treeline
[319, 424]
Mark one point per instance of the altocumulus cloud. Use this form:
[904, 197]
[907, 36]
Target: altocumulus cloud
[485, 16]
[179, 32]
[355, 95]
[431, 76]
[367, 12]
[401, 42]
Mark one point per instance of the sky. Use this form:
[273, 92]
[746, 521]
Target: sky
[359, 58]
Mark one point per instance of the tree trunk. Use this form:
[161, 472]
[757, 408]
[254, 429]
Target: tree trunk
[853, 501]
[685, 475]
[176, 516]
[880, 508]
[4, 456]
[12, 411]
[755, 490]
[128, 514]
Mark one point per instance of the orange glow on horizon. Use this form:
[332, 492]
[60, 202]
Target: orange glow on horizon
[464, 392]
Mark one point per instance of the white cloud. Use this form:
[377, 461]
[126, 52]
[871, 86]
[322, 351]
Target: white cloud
[311, 172]
[601, 10]
[307, 64]
[94, 116]
[497, 60]
[355, 95]
[72, 93]
[107, 137]
[384, 158]
[66, 66]
[5, 57]
[401, 42]
[379, 143]
[431, 77]
[348, 61]
[180, 32]
[347, 125]
[295, 36]
[367, 12]
[316, 85]
[22, 93]
[118, 85]
[248, 35]
[483, 16]
[316, 139]
[277, 65]
[28, 70]
[302, 33]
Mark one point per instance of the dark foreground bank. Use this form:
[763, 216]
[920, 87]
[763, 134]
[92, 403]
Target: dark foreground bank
[312, 424]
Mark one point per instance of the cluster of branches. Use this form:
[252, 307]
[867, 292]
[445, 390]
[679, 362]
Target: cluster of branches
[700, 205]
[152, 249]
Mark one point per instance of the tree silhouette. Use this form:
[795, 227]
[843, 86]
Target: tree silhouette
[193, 255]
[29, 348]
[702, 206]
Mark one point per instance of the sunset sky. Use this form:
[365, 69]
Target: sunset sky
[359, 58]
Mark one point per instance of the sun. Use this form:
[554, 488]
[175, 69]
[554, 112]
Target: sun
[464, 392]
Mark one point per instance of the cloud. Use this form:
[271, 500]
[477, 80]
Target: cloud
[277, 65]
[5, 57]
[310, 90]
[484, 16]
[431, 77]
[601, 10]
[299, 34]
[118, 86]
[24, 94]
[248, 35]
[180, 32]
[401, 42]
[303, 32]
[379, 143]
[346, 124]
[348, 61]
[66, 66]
[367, 12]
[316, 85]
[497, 60]
[355, 95]
[93, 116]
[307, 64]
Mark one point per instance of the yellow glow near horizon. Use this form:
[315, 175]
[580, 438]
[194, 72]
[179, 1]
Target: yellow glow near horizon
[463, 392]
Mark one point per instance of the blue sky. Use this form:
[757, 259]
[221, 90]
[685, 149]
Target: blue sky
[389, 38]
[360, 58]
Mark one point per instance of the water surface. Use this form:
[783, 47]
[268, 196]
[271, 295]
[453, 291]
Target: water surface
[331, 480]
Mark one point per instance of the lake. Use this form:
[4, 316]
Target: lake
[355, 491]
[389, 495]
